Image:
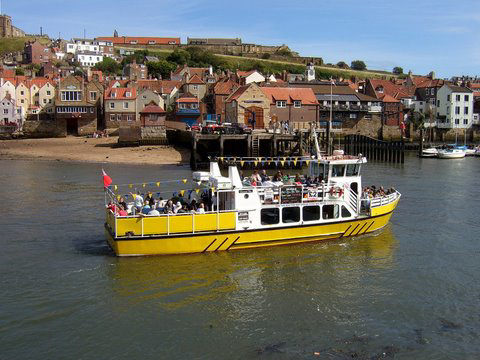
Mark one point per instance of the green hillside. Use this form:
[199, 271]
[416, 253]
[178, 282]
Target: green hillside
[8, 45]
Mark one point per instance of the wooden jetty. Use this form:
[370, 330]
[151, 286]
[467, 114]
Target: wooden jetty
[374, 149]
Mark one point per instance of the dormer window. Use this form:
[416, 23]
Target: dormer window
[128, 94]
[114, 95]
[297, 104]
[281, 104]
[379, 89]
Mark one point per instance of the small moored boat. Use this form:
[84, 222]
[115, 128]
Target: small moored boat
[451, 153]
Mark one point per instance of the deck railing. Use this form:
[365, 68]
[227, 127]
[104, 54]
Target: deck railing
[384, 200]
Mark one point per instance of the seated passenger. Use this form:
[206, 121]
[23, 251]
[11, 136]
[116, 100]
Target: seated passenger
[138, 199]
[201, 209]
[154, 212]
[168, 209]
[122, 211]
[177, 207]
[161, 203]
[298, 179]
[183, 210]
[193, 205]
[264, 177]
[146, 209]
[255, 178]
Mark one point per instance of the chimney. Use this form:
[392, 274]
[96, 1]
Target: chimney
[210, 70]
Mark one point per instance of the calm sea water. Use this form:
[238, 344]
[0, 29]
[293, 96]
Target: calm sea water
[409, 292]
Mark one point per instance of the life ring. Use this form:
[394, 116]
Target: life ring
[339, 192]
[336, 191]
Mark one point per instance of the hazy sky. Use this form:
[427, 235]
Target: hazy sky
[421, 35]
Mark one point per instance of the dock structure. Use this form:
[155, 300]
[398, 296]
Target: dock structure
[374, 149]
[248, 145]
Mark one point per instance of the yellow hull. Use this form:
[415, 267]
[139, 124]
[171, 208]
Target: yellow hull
[234, 240]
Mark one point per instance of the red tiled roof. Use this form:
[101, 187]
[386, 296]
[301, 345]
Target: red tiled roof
[120, 40]
[394, 90]
[7, 73]
[238, 92]
[187, 100]
[195, 79]
[40, 82]
[245, 73]
[305, 95]
[120, 82]
[429, 83]
[152, 109]
[224, 87]
[121, 94]
[160, 86]
[389, 99]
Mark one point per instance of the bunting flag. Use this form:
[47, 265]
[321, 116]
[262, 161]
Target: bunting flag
[282, 162]
[158, 184]
[143, 185]
[107, 180]
[197, 190]
[276, 162]
[130, 186]
[115, 187]
[118, 197]
[295, 162]
[255, 163]
[182, 192]
[307, 162]
[213, 189]
[185, 181]
[241, 163]
[221, 159]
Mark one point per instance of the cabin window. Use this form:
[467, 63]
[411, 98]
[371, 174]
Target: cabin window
[226, 200]
[270, 216]
[353, 170]
[330, 212]
[345, 212]
[338, 170]
[311, 213]
[291, 214]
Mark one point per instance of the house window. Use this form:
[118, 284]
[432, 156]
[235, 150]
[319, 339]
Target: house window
[195, 87]
[297, 104]
[194, 106]
[112, 117]
[270, 216]
[22, 92]
[119, 117]
[181, 106]
[467, 98]
[448, 110]
[44, 101]
[457, 121]
[112, 105]
[92, 110]
[128, 94]
[465, 110]
[281, 104]
[48, 93]
[432, 91]
[71, 96]
[353, 116]
[465, 121]
[151, 42]
[153, 117]
[457, 110]
[448, 98]
[5, 111]
[438, 103]
[129, 118]
[457, 97]
[125, 105]
[93, 95]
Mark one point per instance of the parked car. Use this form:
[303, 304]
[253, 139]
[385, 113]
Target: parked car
[240, 128]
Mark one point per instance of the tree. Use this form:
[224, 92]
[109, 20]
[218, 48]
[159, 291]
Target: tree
[19, 71]
[161, 68]
[358, 65]
[108, 66]
[179, 56]
[397, 70]
[342, 65]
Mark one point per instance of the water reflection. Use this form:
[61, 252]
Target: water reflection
[242, 279]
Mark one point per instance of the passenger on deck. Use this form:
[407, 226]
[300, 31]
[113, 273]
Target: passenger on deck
[161, 204]
[193, 205]
[168, 209]
[122, 211]
[201, 209]
[146, 209]
[154, 212]
[183, 210]
[264, 177]
[138, 200]
[255, 178]
[177, 207]
[298, 179]
[277, 177]
[123, 203]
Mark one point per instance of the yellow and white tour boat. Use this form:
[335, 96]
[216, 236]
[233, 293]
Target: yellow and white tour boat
[242, 216]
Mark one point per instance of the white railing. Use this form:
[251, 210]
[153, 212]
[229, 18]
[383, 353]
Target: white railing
[384, 200]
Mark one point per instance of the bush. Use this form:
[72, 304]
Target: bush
[266, 56]
[342, 65]
[358, 65]
[162, 68]
[19, 71]
[108, 66]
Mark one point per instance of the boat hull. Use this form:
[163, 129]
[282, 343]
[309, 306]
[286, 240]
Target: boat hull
[246, 239]
[454, 155]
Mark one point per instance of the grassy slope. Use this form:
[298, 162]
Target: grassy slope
[322, 71]
[8, 45]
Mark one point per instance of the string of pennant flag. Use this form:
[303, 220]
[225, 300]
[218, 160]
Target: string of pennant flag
[178, 193]
[149, 184]
[288, 160]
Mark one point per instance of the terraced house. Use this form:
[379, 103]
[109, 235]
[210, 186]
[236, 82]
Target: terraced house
[78, 106]
[120, 107]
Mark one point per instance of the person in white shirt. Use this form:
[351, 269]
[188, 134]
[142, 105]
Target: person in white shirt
[138, 199]
[153, 212]
[201, 209]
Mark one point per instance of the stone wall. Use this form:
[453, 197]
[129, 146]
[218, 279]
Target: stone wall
[153, 132]
[42, 128]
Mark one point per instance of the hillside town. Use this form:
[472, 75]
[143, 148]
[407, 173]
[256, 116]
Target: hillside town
[120, 86]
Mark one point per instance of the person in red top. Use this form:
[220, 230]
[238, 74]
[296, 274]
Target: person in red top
[122, 212]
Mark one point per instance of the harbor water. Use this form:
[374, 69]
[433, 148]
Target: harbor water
[411, 291]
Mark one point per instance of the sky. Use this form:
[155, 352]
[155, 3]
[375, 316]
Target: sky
[417, 35]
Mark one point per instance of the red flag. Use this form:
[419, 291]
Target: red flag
[107, 180]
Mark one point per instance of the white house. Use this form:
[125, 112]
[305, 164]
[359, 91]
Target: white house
[454, 107]
[88, 58]
[10, 113]
[247, 77]
[78, 45]
[7, 88]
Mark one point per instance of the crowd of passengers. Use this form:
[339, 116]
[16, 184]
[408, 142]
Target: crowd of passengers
[155, 207]
[279, 179]
[371, 192]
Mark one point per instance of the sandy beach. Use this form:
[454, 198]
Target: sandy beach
[91, 150]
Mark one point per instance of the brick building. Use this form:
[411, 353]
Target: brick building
[36, 53]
